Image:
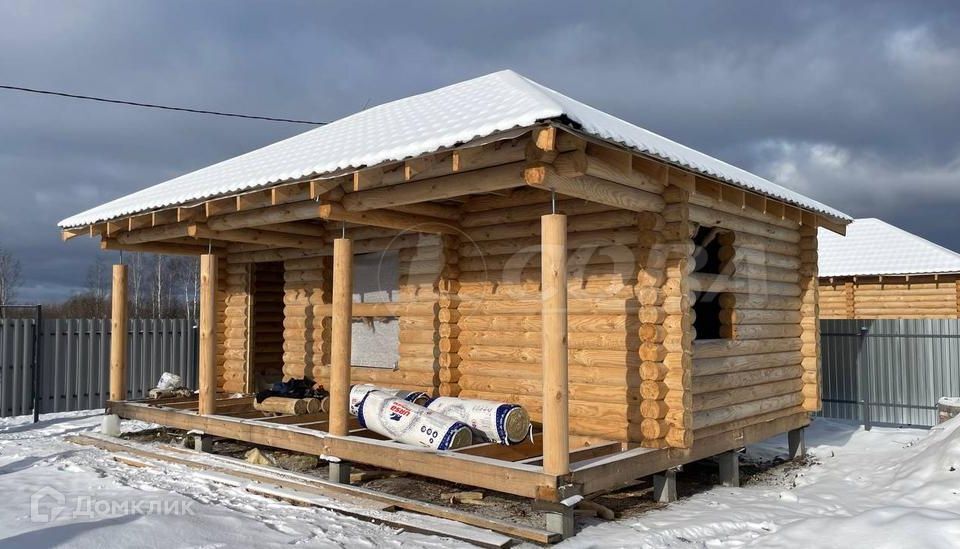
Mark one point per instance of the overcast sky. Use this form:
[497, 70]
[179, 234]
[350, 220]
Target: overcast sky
[856, 104]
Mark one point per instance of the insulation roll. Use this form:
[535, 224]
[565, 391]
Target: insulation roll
[494, 421]
[412, 423]
[357, 392]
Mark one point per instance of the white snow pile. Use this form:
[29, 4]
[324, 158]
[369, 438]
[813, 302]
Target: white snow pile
[884, 488]
[57, 494]
[888, 487]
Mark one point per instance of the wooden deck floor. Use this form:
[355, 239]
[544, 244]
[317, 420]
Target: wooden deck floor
[513, 469]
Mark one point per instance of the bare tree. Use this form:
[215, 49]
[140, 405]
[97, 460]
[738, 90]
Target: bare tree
[10, 277]
[136, 276]
[94, 299]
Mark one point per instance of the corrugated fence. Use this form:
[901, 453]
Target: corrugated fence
[874, 371]
[76, 361]
[889, 371]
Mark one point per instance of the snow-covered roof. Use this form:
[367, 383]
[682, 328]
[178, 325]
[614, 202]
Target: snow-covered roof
[873, 247]
[419, 125]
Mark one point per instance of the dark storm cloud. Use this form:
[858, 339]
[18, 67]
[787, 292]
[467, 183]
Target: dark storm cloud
[853, 103]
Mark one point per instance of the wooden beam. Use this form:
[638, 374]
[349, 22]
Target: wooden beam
[324, 187]
[606, 163]
[118, 334]
[437, 188]
[254, 200]
[594, 189]
[208, 335]
[302, 228]
[137, 222]
[340, 359]
[163, 248]
[284, 194]
[556, 446]
[163, 217]
[67, 234]
[367, 179]
[430, 209]
[385, 218]
[296, 211]
[153, 234]
[838, 227]
[192, 213]
[221, 206]
[257, 236]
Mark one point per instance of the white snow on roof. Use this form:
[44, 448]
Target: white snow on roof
[873, 247]
[418, 125]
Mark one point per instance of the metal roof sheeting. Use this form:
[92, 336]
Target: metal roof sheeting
[419, 125]
[874, 247]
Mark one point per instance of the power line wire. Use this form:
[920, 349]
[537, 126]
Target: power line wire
[155, 106]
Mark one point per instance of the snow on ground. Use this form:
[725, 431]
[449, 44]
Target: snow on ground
[883, 488]
[888, 487]
[100, 503]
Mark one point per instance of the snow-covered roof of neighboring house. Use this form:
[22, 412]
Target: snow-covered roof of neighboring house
[423, 124]
[874, 247]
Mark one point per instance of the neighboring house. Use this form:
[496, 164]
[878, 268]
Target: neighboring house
[881, 271]
[671, 317]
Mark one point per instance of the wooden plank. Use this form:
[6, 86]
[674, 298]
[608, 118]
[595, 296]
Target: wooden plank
[362, 500]
[594, 189]
[437, 188]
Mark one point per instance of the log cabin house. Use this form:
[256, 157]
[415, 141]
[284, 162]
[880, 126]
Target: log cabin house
[879, 271]
[647, 304]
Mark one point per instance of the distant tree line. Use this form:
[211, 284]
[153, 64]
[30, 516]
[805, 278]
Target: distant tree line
[158, 286]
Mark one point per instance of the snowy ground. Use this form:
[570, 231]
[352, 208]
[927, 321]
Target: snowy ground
[884, 488]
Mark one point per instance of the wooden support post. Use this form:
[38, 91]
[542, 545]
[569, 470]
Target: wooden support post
[208, 335]
[796, 446]
[118, 335]
[665, 486]
[729, 468]
[340, 335]
[556, 451]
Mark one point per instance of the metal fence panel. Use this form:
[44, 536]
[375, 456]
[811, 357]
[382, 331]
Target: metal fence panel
[76, 361]
[889, 371]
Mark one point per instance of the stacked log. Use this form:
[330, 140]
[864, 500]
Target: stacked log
[499, 325]
[307, 287]
[759, 371]
[236, 325]
[890, 297]
[447, 336]
[810, 319]
[221, 331]
[673, 395]
[425, 310]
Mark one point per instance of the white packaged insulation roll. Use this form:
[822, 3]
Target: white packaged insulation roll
[357, 392]
[411, 423]
[494, 421]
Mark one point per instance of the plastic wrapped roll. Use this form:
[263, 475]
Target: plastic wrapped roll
[494, 421]
[357, 392]
[412, 423]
